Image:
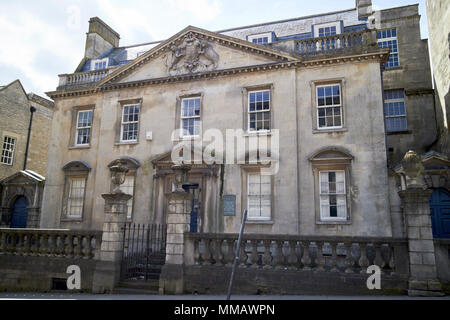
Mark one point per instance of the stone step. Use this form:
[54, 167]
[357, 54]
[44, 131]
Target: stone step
[149, 285]
[134, 291]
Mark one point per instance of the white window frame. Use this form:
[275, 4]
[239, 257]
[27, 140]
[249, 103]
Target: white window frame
[329, 106]
[391, 39]
[269, 111]
[77, 128]
[129, 122]
[395, 116]
[11, 143]
[182, 135]
[99, 61]
[260, 218]
[336, 24]
[69, 198]
[267, 35]
[326, 216]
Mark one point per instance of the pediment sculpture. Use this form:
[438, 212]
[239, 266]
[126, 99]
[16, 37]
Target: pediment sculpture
[191, 55]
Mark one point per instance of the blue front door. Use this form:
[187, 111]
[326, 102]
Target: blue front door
[195, 205]
[19, 213]
[440, 213]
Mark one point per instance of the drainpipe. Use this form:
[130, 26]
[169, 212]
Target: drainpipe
[32, 110]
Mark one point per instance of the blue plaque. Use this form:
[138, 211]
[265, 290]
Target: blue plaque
[229, 205]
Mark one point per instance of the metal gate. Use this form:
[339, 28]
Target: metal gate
[144, 251]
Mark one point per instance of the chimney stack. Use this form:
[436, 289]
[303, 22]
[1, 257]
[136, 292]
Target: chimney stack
[364, 8]
[100, 38]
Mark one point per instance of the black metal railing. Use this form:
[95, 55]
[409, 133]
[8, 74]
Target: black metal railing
[144, 251]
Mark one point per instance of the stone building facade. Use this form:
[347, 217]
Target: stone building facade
[438, 16]
[15, 106]
[345, 92]
[15, 114]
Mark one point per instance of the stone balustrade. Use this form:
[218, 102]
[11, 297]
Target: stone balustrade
[323, 254]
[336, 44]
[81, 79]
[50, 243]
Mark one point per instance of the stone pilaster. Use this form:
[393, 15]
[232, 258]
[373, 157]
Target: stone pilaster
[422, 263]
[178, 220]
[107, 272]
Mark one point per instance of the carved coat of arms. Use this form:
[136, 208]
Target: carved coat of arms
[192, 55]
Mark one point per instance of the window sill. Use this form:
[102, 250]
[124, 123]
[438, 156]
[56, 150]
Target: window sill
[67, 219]
[269, 222]
[257, 133]
[126, 143]
[80, 147]
[338, 130]
[393, 68]
[391, 133]
[334, 222]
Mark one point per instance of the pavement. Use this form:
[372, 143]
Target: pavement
[82, 296]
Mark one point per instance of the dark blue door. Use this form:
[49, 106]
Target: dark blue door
[195, 205]
[19, 213]
[440, 213]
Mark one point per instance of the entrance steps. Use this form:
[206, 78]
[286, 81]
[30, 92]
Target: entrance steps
[149, 287]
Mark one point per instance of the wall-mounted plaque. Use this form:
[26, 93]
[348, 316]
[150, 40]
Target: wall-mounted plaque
[229, 205]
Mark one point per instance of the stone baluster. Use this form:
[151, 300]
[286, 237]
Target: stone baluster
[78, 246]
[378, 256]
[37, 244]
[87, 247]
[69, 246]
[254, 257]
[2, 242]
[267, 257]
[320, 260]
[278, 260]
[348, 257]
[363, 261]
[196, 252]
[229, 257]
[306, 259]
[27, 244]
[19, 243]
[216, 255]
[52, 245]
[207, 253]
[292, 257]
[243, 255]
[334, 259]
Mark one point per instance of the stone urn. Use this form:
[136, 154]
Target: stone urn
[180, 172]
[413, 167]
[118, 172]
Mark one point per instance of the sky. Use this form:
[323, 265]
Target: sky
[41, 39]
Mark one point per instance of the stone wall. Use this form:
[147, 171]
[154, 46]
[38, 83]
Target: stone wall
[25, 273]
[438, 12]
[14, 122]
[414, 76]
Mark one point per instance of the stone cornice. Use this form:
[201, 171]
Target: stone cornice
[381, 55]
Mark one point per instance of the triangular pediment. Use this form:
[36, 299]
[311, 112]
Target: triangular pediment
[196, 51]
[23, 177]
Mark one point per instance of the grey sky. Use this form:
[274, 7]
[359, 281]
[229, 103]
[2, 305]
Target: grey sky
[41, 39]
